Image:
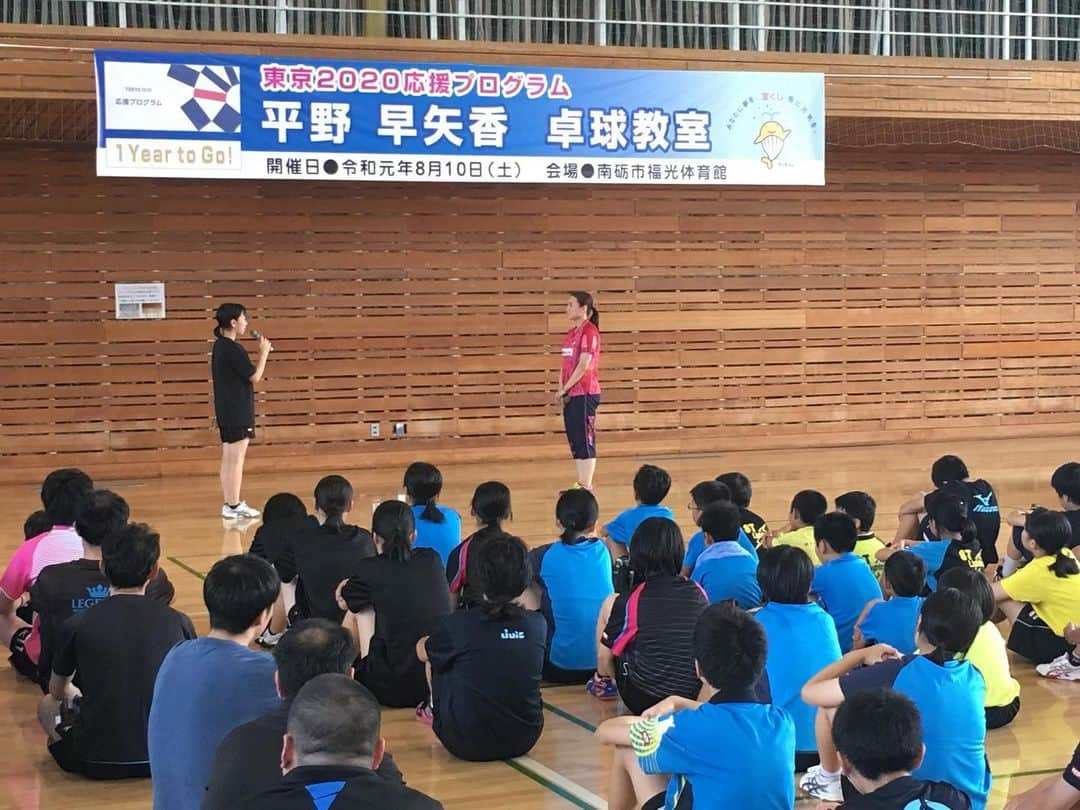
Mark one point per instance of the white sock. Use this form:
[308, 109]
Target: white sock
[1009, 566]
[830, 775]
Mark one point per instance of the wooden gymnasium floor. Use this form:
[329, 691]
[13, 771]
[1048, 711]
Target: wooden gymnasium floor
[567, 768]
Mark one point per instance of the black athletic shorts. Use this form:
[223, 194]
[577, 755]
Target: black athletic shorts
[579, 419]
[67, 757]
[504, 742]
[231, 434]
[635, 699]
[1034, 640]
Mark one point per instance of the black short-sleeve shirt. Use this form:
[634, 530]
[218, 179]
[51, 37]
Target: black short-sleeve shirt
[408, 598]
[754, 526]
[65, 589]
[234, 394]
[322, 557]
[982, 509]
[486, 683]
[117, 647]
[651, 632]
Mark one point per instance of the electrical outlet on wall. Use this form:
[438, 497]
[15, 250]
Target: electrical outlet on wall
[374, 430]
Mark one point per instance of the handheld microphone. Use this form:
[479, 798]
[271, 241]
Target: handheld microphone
[255, 334]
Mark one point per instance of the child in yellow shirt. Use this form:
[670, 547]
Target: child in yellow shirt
[806, 507]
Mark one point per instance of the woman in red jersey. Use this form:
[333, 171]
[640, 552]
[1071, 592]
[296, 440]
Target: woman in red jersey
[580, 388]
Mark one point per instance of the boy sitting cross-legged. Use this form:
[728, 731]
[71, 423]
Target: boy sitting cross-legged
[669, 755]
[116, 647]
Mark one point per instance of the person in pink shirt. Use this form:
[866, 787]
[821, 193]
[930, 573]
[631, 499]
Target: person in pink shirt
[63, 494]
[579, 390]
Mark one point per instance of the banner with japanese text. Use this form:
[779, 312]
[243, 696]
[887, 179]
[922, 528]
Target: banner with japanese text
[233, 116]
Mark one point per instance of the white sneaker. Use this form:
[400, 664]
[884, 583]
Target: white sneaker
[269, 639]
[241, 510]
[815, 782]
[1061, 668]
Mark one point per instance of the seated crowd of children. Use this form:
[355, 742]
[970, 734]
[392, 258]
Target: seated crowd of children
[872, 668]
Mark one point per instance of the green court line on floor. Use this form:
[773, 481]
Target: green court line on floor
[565, 715]
[186, 567]
[1042, 772]
[556, 783]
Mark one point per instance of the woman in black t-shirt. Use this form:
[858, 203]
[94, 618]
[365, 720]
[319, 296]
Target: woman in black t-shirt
[234, 402]
[393, 599]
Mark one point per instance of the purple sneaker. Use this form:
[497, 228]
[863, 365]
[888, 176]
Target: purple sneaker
[602, 687]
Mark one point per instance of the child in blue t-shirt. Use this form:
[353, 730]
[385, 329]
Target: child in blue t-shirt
[651, 486]
[948, 691]
[843, 583]
[893, 621]
[703, 494]
[802, 639]
[437, 527]
[726, 570]
[670, 752]
[574, 577]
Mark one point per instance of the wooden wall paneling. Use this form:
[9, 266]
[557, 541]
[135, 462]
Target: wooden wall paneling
[927, 293]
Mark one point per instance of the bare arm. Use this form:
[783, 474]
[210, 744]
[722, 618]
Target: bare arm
[579, 371]
[616, 731]
[858, 641]
[58, 685]
[265, 347]
[824, 688]
[1053, 793]
[605, 660]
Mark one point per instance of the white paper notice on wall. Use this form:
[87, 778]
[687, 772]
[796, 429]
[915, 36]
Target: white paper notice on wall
[140, 301]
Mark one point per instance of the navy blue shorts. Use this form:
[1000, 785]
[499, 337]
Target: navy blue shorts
[579, 418]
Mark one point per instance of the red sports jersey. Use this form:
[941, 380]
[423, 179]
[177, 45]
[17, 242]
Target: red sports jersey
[584, 339]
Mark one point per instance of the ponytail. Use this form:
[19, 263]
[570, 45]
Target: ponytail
[577, 511]
[585, 299]
[949, 620]
[333, 495]
[1052, 532]
[423, 483]
[393, 524]
[969, 536]
[1064, 565]
[491, 504]
[499, 574]
[225, 315]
